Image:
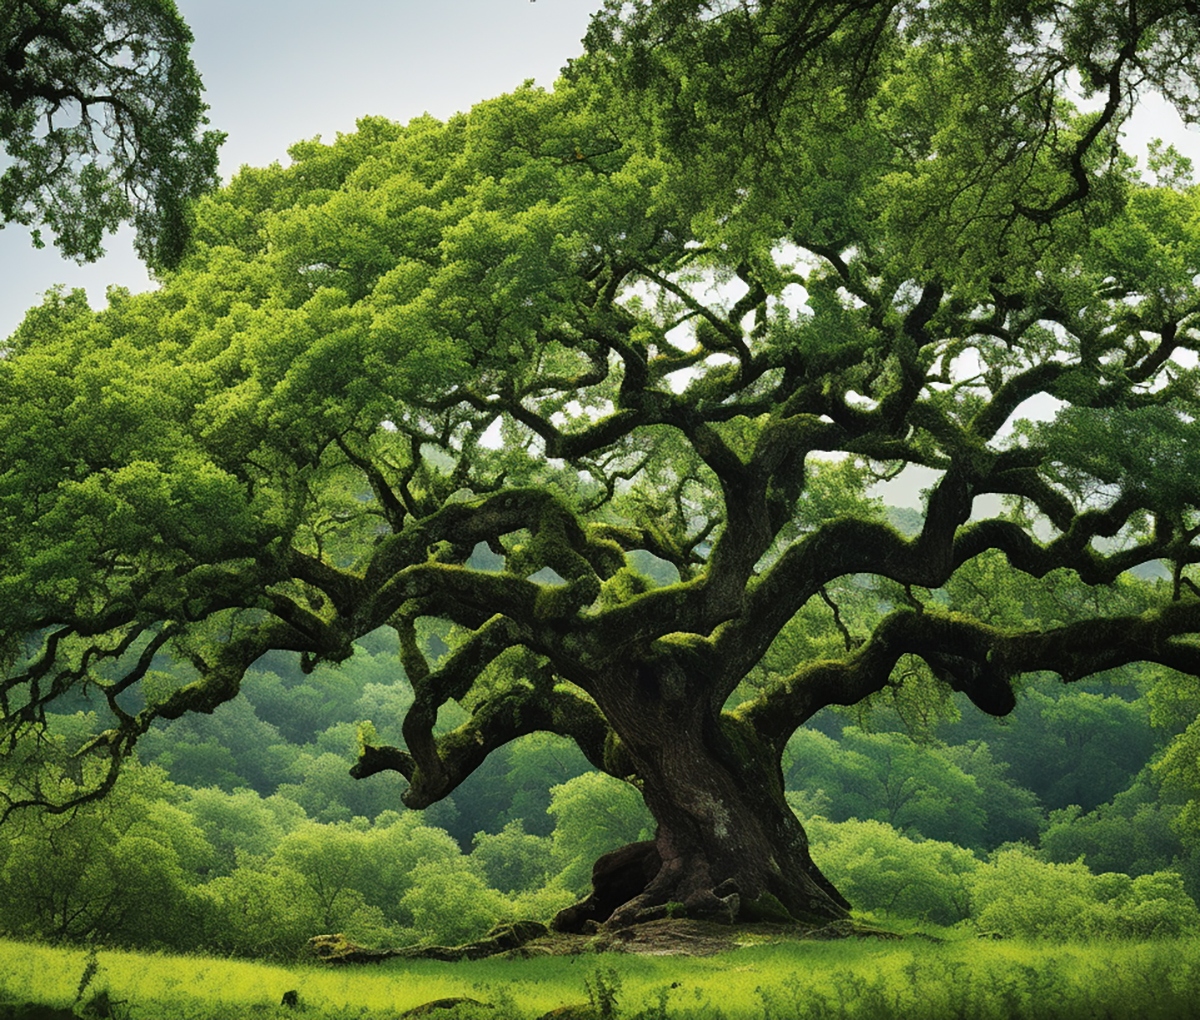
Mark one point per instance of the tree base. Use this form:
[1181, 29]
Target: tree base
[617, 878]
[628, 888]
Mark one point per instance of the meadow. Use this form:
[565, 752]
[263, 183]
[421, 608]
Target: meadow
[913, 980]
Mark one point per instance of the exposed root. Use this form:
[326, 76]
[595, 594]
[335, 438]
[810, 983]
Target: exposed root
[633, 885]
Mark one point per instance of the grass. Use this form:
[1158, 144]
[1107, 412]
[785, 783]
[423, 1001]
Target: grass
[913, 980]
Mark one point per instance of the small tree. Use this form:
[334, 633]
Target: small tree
[545, 389]
[101, 121]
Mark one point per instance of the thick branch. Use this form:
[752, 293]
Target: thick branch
[845, 546]
[517, 711]
[979, 660]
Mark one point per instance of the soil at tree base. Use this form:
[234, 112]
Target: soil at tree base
[693, 937]
[670, 936]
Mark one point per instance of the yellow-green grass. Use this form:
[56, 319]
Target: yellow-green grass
[914, 980]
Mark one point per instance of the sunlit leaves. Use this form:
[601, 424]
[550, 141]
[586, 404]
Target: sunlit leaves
[1179, 769]
[593, 814]
[1154, 250]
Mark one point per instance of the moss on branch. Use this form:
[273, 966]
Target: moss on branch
[521, 708]
[977, 659]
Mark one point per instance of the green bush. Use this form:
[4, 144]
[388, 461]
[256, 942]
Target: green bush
[1018, 895]
[882, 871]
[593, 814]
[114, 870]
[512, 860]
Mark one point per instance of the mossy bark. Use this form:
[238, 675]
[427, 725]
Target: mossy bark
[727, 845]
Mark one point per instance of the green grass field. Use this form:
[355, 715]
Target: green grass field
[913, 980]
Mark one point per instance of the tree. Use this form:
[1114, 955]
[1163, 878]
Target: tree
[116, 871]
[470, 380]
[101, 121]
[512, 860]
[592, 816]
[888, 777]
[1018, 895]
[886, 872]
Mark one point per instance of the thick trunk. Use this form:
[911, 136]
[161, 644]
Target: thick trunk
[727, 846]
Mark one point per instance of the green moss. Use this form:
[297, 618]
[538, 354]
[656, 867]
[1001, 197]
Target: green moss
[624, 585]
[766, 907]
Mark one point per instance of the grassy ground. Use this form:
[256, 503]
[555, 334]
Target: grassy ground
[913, 980]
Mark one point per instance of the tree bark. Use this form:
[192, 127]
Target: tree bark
[727, 845]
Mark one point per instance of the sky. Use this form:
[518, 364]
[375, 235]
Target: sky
[277, 72]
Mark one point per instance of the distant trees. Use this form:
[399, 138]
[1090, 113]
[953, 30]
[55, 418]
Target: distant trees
[119, 871]
[1016, 894]
[1136, 833]
[1012, 893]
[158, 865]
[512, 859]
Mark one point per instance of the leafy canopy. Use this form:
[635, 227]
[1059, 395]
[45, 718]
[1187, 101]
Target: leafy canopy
[101, 122]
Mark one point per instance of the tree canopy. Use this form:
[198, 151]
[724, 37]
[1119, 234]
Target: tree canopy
[101, 121]
[581, 393]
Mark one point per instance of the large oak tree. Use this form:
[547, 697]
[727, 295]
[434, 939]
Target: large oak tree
[572, 373]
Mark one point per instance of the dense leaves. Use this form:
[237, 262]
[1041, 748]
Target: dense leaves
[101, 121]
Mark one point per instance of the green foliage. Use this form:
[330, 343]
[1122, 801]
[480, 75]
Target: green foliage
[1013, 893]
[882, 871]
[328, 793]
[225, 485]
[330, 860]
[889, 777]
[394, 882]
[593, 814]
[536, 764]
[919, 790]
[1179, 769]
[1174, 699]
[81, 171]
[603, 988]
[240, 824]
[302, 706]
[231, 747]
[256, 913]
[450, 903]
[114, 872]
[1067, 747]
[512, 860]
[1149, 451]
[1018, 895]
[1135, 833]
[1013, 812]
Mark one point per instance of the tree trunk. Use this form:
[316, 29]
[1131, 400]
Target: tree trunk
[727, 846]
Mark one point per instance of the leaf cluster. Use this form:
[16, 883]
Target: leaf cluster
[101, 121]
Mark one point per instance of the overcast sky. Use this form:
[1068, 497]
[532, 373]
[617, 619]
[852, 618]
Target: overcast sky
[277, 72]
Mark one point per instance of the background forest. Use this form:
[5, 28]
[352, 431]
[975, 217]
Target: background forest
[243, 832]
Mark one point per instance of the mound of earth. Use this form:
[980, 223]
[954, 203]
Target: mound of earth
[664, 937]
